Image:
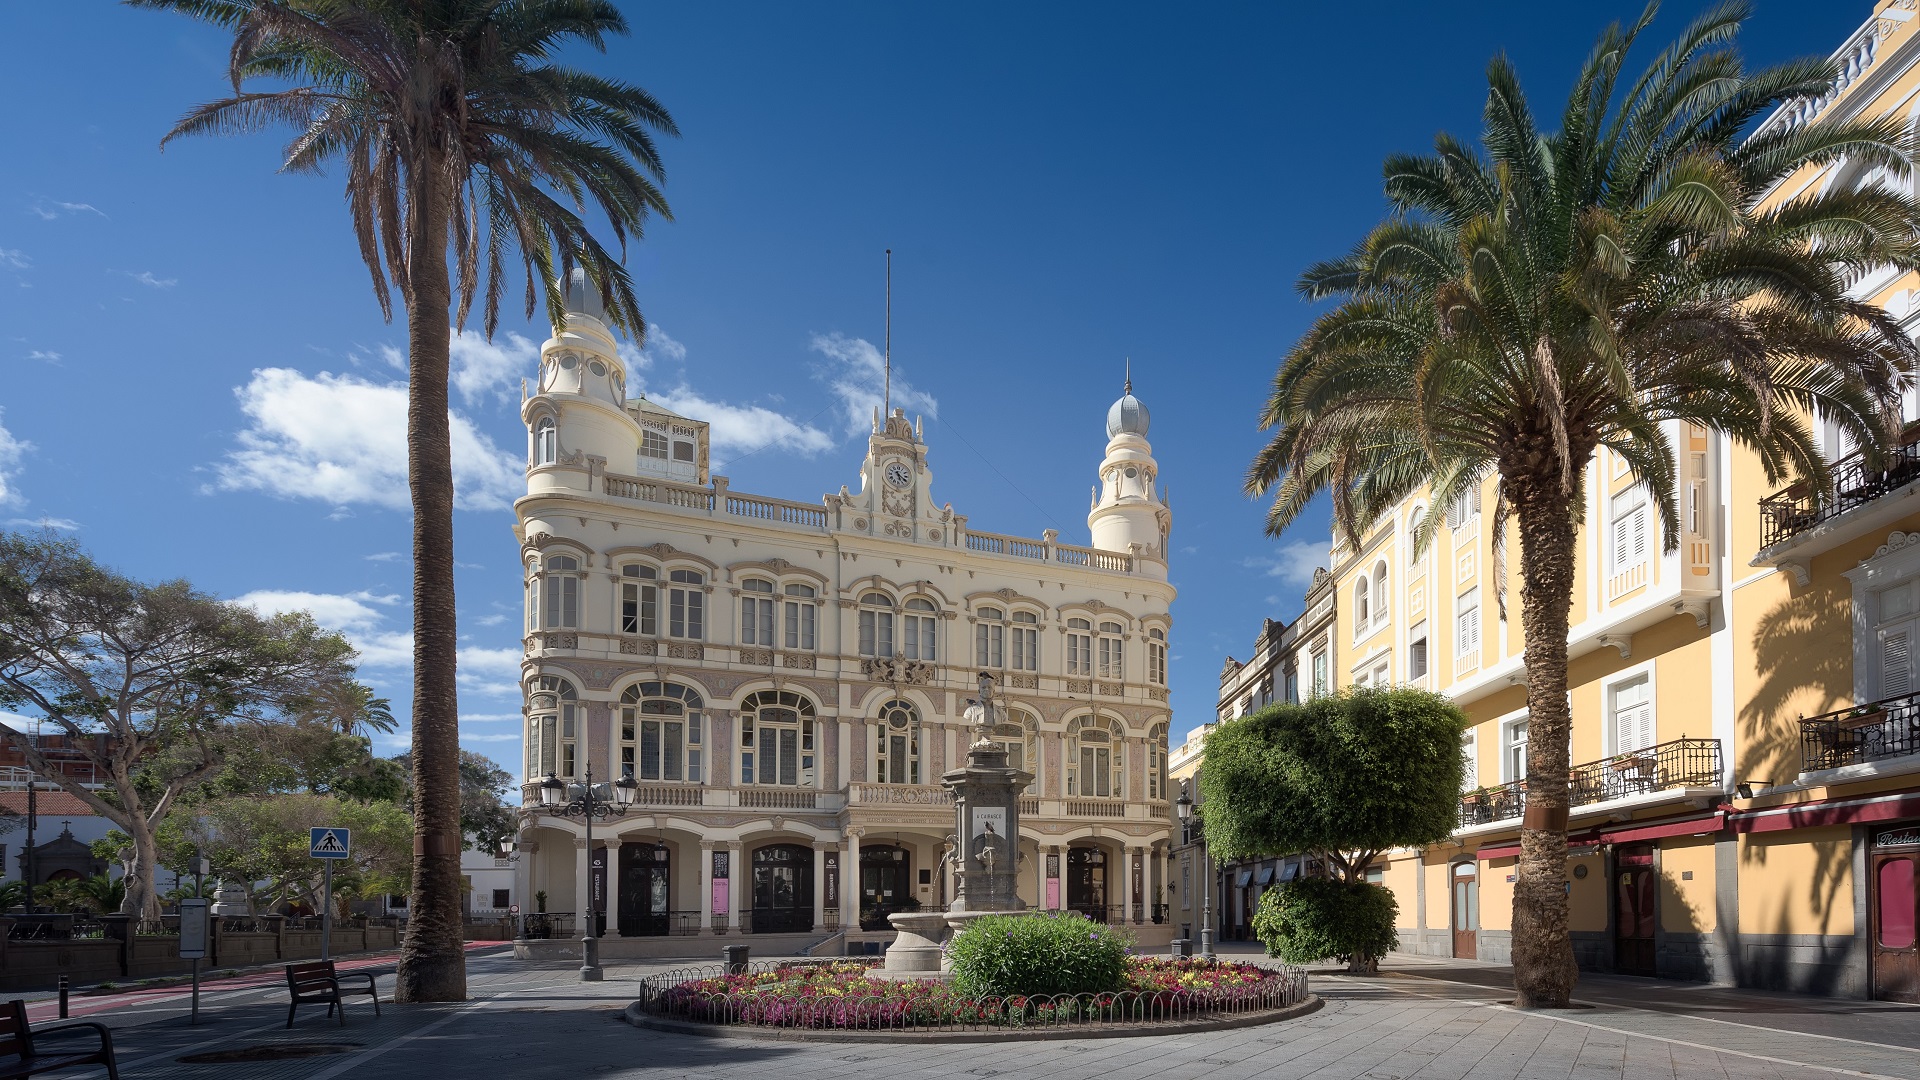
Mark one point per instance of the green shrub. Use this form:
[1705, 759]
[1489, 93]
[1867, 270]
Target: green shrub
[1042, 953]
[1316, 918]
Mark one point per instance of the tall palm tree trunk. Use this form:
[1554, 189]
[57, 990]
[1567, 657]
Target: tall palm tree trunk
[433, 965]
[1543, 967]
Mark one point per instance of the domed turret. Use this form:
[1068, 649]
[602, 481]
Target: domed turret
[582, 297]
[1128, 513]
[1127, 415]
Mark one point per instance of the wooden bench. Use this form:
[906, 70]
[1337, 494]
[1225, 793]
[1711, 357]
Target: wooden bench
[20, 1057]
[316, 983]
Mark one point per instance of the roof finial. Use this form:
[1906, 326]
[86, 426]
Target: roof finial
[887, 404]
[1129, 387]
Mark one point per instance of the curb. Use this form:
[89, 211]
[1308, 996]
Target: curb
[638, 1018]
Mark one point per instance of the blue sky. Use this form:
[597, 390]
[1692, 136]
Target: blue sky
[199, 384]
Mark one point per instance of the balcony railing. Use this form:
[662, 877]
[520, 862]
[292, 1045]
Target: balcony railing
[1791, 511]
[1668, 766]
[1876, 731]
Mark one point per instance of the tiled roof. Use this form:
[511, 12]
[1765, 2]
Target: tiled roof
[48, 804]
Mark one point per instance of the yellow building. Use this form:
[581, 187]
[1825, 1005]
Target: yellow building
[1746, 725]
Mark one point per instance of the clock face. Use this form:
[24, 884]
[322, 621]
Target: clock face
[898, 474]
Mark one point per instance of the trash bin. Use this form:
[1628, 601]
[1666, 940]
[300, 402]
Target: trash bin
[735, 957]
[1180, 949]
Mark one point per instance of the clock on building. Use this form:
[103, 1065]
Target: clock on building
[898, 474]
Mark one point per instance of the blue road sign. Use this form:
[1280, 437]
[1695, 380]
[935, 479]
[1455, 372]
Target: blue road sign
[325, 843]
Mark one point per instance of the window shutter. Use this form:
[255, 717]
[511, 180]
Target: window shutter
[1896, 661]
[1632, 717]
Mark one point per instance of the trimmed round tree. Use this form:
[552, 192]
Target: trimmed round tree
[1343, 777]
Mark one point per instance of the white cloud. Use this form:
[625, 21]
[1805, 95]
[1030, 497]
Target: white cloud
[482, 367]
[490, 671]
[1293, 563]
[44, 522]
[44, 354]
[858, 379]
[356, 615]
[343, 439]
[744, 428]
[661, 346]
[53, 208]
[147, 278]
[490, 718]
[382, 556]
[490, 620]
[11, 451]
[15, 258]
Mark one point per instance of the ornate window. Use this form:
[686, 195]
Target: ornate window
[1110, 647]
[756, 612]
[990, 638]
[686, 604]
[777, 733]
[1096, 765]
[876, 625]
[1362, 606]
[1017, 735]
[563, 593]
[553, 729]
[1079, 647]
[546, 442]
[897, 744]
[1157, 762]
[639, 600]
[1380, 592]
[801, 612]
[662, 732]
[918, 628]
[533, 595]
[1025, 635]
[653, 445]
[1157, 658]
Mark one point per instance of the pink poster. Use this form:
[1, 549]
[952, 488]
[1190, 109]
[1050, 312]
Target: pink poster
[719, 900]
[1053, 894]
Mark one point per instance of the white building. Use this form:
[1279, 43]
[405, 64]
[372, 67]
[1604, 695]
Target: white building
[785, 680]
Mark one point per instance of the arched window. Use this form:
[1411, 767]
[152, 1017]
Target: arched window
[990, 638]
[1096, 765]
[1362, 609]
[896, 744]
[1111, 650]
[1157, 762]
[756, 612]
[533, 595]
[639, 600]
[1157, 656]
[563, 593]
[918, 631]
[686, 604]
[801, 612]
[546, 442]
[1414, 521]
[1025, 633]
[1017, 736]
[1079, 647]
[876, 625]
[1380, 592]
[662, 732]
[777, 732]
[553, 727]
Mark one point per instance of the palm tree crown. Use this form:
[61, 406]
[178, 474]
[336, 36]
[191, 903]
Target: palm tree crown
[1549, 293]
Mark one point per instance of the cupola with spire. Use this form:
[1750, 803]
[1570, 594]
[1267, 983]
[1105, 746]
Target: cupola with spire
[1129, 514]
[577, 414]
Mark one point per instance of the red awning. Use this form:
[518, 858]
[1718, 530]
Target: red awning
[1626, 834]
[1829, 812]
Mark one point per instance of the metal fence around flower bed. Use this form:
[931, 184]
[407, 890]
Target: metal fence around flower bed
[936, 1007]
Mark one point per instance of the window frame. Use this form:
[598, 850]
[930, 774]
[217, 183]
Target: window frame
[637, 599]
[808, 733]
[631, 718]
[553, 728]
[686, 603]
[876, 620]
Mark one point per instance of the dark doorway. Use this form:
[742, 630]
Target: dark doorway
[1466, 911]
[646, 890]
[783, 889]
[886, 885]
[1087, 882]
[1896, 915]
[1633, 912]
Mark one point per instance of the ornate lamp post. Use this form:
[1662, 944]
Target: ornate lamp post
[587, 807]
[1184, 805]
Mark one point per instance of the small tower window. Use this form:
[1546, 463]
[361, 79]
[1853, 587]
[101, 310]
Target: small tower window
[653, 445]
[546, 442]
[683, 451]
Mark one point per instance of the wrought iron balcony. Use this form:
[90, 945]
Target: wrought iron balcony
[1875, 731]
[1668, 766]
[1793, 510]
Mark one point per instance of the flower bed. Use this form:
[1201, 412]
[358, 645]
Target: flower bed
[844, 995]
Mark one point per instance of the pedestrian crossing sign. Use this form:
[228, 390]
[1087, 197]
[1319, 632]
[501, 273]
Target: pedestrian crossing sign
[328, 843]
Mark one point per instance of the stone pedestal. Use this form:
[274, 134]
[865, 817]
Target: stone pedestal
[915, 952]
[986, 800]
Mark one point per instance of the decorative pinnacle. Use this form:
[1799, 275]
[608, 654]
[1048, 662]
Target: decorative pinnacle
[1128, 389]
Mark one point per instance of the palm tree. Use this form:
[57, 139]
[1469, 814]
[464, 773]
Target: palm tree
[458, 134]
[352, 708]
[1549, 294]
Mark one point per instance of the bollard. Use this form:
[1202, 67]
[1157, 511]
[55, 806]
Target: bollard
[735, 957]
[63, 997]
[1180, 949]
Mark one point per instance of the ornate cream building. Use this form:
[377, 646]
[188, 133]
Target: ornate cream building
[785, 680]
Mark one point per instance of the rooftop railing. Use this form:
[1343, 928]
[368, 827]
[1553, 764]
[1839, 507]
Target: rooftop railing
[1669, 766]
[1875, 731]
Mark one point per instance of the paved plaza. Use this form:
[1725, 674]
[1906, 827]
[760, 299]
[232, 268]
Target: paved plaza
[1420, 1019]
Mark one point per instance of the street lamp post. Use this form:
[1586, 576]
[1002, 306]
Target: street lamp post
[553, 799]
[1184, 804]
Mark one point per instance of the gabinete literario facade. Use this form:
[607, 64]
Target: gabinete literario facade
[786, 680]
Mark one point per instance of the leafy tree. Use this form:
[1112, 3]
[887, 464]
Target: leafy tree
[459, 133]
[262, 842]
[485, 818]
[153, 684]
[1313, 918]
[1549, 293]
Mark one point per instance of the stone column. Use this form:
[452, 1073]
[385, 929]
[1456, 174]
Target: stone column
[1136, 886]
[843, 771]
[850, 880]
[706, 885]
[611, 852]
[737, 877]
[582, 886]
[527, 850]
[820, 884]
[1059, 856]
